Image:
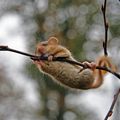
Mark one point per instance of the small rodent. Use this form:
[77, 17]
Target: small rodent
[68, 74]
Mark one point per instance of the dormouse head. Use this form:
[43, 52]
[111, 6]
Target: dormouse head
[47, 46]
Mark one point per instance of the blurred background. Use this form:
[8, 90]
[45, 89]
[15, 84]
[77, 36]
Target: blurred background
[27, 94]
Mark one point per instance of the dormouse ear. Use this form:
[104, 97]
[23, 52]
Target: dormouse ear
[53, 41]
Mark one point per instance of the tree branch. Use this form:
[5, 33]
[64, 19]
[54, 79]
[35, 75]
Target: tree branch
[61, 59]
[6, 48]
[103, 8]
[109, 114]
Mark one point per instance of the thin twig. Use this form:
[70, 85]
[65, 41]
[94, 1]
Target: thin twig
[109, 114]
[6, 48]
[103, 8]
[61, 59]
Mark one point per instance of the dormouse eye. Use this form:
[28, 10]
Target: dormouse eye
[44, 44]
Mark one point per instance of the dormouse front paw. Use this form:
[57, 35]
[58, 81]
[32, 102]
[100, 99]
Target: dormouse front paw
[91, 65]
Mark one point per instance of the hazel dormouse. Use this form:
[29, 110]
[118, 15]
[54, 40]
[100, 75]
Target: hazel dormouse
[66, 74]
